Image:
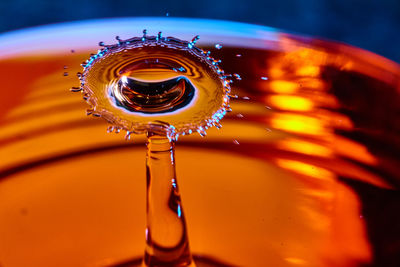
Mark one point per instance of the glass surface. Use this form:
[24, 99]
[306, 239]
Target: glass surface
[304, 171]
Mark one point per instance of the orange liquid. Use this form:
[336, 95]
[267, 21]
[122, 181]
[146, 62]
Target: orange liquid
[276, 186]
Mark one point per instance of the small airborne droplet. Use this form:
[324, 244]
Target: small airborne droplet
[72, 51]
[65, 67]
[110, 129]
[238, 55]
[89, 112]
[167, 14]
[101, 44]
[268, 107]
[218, 46]
[237, 76]
[236, 142]
[144, 35]
[239, 115]
[264, 78]
[65, 74]
[128, 136]
[75, 89]
[195, 39]
[233, 96]
[202, 132]
[245, 98]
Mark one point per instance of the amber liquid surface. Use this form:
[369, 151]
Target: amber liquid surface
[304, 172]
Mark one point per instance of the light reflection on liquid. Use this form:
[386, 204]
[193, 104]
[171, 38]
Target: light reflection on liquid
[283, 201]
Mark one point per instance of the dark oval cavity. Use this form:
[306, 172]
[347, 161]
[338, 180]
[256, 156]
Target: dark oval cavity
[153, 63]
[153, 97]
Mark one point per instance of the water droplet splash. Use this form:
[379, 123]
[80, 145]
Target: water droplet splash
[151, 80]
[162, 87]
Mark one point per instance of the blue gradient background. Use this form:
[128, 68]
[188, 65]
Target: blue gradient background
[370, 24]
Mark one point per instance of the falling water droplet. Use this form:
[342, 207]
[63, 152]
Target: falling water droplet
[65, 74]
[236, 142]
[65, 67]
[72, 51]
[264, 78]
[238, 55]
[218, 46]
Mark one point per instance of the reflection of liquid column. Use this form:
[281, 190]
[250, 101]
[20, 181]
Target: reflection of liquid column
[166, 235]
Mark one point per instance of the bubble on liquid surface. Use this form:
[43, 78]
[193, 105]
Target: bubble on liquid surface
[147, 81]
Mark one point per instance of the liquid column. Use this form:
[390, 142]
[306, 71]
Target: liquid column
[166, 233]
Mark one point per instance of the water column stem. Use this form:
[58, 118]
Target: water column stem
[166, 233]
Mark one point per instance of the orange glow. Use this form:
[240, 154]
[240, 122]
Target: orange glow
[288, 102]
[335, 120]
[313, 83]
[283, 87]
[309, 71]
[348, 230]
[306, 169]
[321, 195]
[276, 72]
[296, 123]
[350, 149]
[322, 99]
[296, 261]
[305, 147]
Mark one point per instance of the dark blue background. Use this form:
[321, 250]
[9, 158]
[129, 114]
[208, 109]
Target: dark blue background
[370, 24]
